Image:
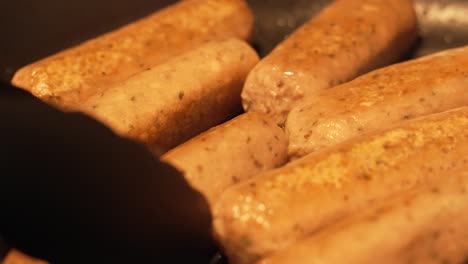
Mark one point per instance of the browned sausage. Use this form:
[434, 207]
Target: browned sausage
[174, 101]
[71, 76]
[423, 226]
[276, 209]
[378, 100]
[346, 39]
[230, 153]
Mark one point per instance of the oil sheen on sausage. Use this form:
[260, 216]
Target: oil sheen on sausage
[423, 226]
[379, 99]
[280, 207]
[71, 76]
[174, 101]
[230, 153]
[348, 38]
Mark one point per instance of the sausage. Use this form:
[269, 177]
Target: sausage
[379, 99]
[68, 78]
[277, 208]
[17, 257]
[230, 153]
[174, 101]
[348, 38]
[424, 226]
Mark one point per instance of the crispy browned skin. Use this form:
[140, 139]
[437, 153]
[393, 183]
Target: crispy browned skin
[17, 257]
[346, 39]
[230, 153]
[379, 99]
[71, 76]
[277, 208]
[174, 101]
[423, 226]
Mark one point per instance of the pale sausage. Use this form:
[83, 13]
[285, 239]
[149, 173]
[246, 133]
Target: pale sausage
[174, 101]
[230, 153]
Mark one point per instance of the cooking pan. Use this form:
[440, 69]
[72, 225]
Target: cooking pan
[32, 29]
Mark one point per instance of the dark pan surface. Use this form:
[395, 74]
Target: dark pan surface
[31, 29]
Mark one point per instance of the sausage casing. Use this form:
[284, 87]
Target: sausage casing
[379, 99]
[230, 153]
[422, 226]
[346, 39]
[277, 208]
[174, 101]
[68, 78]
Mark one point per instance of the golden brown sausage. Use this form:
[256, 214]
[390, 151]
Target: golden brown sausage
[277, 208]
[425, 225]
[346, 39]
[379, 99]
[180, 98]
[230, 153]
[71, 76]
